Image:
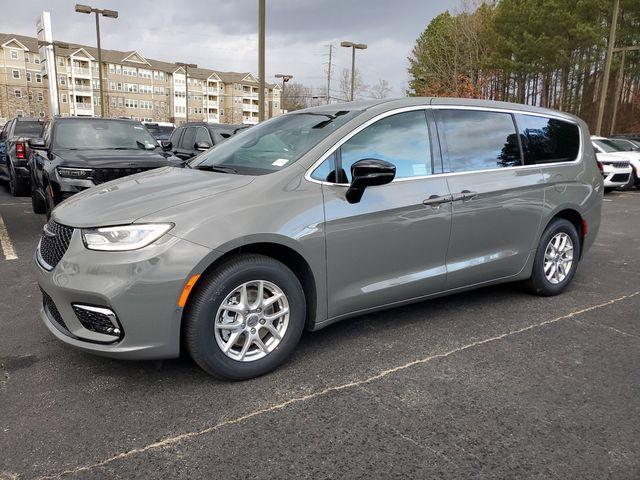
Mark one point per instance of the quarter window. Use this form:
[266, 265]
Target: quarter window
[401, 139]
[547, 140]
[478, 140]
[203, 136]
[189, 138]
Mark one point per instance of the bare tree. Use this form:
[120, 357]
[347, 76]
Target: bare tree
[296, 96]
[345, 84]
[382, 89]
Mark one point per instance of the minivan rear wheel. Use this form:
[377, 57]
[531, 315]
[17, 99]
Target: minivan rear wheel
[556, 259]
[245, 317]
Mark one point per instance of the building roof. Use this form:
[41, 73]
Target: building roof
[135, 58]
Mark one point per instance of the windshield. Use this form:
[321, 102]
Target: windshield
[607, 146]
[28, 129]
[102, 135]
[624, 145]
[274, 144]
[161, 132]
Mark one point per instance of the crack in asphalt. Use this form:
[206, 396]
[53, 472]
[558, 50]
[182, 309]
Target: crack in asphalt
[168, 441]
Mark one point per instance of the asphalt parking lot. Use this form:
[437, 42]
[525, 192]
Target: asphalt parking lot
[492, 383]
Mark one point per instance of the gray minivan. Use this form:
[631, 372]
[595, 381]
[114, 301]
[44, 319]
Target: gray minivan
[315, 216]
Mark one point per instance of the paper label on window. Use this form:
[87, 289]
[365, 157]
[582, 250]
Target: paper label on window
[419, 169]
[280, 162]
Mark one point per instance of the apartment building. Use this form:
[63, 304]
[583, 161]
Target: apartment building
[134, 86]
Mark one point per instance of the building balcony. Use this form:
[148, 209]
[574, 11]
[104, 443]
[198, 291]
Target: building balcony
[212, 117]
[212, 103]
[85, 72]
[249, 120]
[251, 95]
[250, 107]
[84, 108]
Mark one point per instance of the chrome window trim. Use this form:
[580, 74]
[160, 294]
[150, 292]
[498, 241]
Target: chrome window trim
[344, 139]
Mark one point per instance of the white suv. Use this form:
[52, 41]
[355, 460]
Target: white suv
[616, 164]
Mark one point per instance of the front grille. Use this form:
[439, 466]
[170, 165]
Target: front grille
[102, 175]
[620, 164]
[51, 310]
[620, 177]
[54, 243]
[97, 320]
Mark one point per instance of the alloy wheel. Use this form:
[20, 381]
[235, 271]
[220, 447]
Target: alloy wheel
[252, 320]
[558, 258]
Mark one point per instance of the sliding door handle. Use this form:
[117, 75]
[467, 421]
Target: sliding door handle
[437, 200]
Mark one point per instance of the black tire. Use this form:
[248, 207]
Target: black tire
[632, 182]
[37, 202]
[636, 180]
[212, 290]
[538, 283]
[18, 187]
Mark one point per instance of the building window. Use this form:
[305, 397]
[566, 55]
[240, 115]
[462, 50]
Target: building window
[112, 85]
[113, 101]
[41, 114]
[38, 78]
[60, 62]
[27, 59]
[28, 76]
[112, 68]
[40, 96]
[36, 60]
[17, 93]
[14, 54]
[30, 97]
[64, 98]
[63, 80]
[119, 87]
[19, 113]
[15, 74]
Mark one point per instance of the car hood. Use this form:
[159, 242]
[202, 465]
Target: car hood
[614, 156]
[115, 158]
[127, 199]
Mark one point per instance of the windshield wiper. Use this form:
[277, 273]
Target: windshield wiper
[216, 168]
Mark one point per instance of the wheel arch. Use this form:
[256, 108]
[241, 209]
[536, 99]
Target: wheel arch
[574, 217]
[285, 254]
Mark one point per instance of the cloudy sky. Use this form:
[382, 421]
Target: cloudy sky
[221, 34]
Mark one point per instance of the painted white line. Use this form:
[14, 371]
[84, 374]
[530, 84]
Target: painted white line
[168, 441]
[5, 242]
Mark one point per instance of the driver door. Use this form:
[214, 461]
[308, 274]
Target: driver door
[390, 246]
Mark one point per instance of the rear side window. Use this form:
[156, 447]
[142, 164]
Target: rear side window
[547, 140]
[478, 140]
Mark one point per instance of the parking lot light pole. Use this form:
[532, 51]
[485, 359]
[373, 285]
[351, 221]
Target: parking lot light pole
[285, 78]
[43, 43]
[353, 46]
[186, 67]
[105, 13]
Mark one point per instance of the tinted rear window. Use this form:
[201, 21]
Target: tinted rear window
[547, 140]
[28, 129]
[478, 140]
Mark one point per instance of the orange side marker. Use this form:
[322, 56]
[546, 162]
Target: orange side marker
[187, 290]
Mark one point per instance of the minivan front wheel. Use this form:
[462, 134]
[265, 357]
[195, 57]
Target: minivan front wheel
[245, 317]
[556, 259]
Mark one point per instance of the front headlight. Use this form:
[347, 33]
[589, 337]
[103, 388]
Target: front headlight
[68, 172]
[126, 237]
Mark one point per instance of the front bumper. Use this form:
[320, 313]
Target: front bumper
[141, 287]
[616, 177]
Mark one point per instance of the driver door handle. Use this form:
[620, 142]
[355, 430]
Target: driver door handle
[464, 195]
[437, 200]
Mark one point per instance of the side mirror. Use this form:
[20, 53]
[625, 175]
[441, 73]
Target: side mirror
[36, 143]
[202, 146]
[369, 173]
[166, 145]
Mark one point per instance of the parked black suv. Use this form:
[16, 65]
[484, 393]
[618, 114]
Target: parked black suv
[14, 152]
[78, 153]
[193, 138]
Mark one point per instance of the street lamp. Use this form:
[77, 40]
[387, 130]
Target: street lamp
[186, 66]
[285, 78]
[105, 13]
[53, 45]
[353, 46]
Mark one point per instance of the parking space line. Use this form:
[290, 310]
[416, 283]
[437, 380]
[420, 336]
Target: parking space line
[168, 441]
[5, 242]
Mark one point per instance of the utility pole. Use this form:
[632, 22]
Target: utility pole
[261, 55]
[186, 67]
[607, 66]
[619, 83]
[104, 13]
[353, 46]
[329, 75]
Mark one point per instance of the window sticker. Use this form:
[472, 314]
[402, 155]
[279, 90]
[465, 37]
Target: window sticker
[280, 162]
